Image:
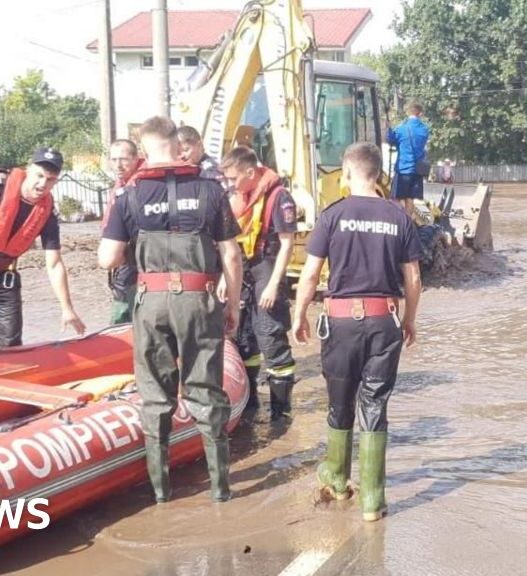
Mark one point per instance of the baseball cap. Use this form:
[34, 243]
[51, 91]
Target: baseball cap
[48, 156]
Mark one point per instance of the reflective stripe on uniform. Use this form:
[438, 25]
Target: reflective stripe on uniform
[253, 361]
[282, 370]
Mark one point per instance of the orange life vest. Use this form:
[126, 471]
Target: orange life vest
[162, 171]
[24, 237]
[254, 212]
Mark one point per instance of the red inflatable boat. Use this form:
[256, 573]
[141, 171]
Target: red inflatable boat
[84, 441]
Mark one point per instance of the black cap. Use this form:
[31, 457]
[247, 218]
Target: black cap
[48, 156]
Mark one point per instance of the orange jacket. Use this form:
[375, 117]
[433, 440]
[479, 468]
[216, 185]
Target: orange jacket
[18, 243]
[254, 211]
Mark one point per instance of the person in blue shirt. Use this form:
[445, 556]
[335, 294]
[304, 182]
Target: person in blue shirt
[410, 138]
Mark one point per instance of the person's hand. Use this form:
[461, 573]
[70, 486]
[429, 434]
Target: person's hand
[409, 332]
[221, 290]
[301, 330]
[268, 297]
[232, 319]
[70, 318]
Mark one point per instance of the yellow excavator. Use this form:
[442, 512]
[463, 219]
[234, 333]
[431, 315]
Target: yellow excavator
[262, 86]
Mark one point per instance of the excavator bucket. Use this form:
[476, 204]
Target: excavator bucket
[454, 217]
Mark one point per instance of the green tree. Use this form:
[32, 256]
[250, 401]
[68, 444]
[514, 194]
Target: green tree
[30, 93]
[466, 61]
[32, 115]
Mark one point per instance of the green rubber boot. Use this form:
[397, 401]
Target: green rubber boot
[334, 473]
[218, 460]
[372, 474]
[158, 470]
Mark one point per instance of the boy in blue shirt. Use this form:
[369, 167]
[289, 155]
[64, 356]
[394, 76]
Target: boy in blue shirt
[410, 139]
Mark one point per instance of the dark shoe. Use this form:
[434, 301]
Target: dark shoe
[372, 473]
[253, 403]
[334, 473]
[281, 390]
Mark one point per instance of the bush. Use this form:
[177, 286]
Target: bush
[71, 209]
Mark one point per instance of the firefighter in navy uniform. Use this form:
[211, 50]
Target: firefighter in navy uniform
[184, 228]
[371, 245]
[266, 214]
[26, 212]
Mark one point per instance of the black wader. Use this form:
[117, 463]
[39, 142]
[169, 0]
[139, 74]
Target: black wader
[10, 309]
[188, 326]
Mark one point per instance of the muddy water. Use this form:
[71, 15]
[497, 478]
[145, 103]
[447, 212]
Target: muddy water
[457, 461]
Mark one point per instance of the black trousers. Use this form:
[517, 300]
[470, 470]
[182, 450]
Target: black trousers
[260, 330]
[359, 362]
[10, 309]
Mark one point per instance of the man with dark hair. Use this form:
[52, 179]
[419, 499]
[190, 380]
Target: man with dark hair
[192, 152]
[183, 228]
[26, 212]
[124, 161]
[266, 214]
[371, 245]
[410, 139]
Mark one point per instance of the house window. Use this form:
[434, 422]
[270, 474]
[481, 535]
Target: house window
[191, 61]
[339, 56]
[147, 61]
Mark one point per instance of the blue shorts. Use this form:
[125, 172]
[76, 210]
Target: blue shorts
[407, 186]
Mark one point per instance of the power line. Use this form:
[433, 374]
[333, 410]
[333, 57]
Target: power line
[66, 9]
[55, 50]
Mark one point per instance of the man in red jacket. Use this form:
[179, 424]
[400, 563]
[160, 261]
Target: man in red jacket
[26, 212]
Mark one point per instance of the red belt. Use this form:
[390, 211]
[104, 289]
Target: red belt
[176, 282]
[360, 308]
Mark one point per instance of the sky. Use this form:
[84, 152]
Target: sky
[52, 35]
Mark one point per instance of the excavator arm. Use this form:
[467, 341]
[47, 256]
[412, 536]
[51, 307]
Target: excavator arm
[270, 41]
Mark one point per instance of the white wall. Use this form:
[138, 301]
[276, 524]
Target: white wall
[135, 90]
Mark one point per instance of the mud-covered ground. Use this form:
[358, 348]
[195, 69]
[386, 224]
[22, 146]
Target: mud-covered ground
[457, 460]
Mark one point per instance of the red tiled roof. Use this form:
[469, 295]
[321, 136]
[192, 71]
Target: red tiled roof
[203, 29]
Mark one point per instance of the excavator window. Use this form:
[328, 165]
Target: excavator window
[345, 113]
[336, 120]
[365, 115]
[256, 114]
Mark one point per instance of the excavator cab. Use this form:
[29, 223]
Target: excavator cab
[342, 100]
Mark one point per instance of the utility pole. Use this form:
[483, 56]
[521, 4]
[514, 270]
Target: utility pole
[161, 58]
[107, 112]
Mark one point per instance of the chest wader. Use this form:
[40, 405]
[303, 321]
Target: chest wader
[177, 316]
[123, 283]
[10, 307]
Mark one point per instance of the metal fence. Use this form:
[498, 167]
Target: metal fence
[91, 193]
[502, 173]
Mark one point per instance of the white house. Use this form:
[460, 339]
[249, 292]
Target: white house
[192, 31]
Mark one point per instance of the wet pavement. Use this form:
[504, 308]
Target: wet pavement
[456, 469]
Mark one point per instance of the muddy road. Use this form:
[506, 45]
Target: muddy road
[456, 468]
